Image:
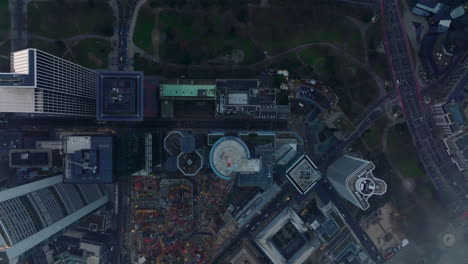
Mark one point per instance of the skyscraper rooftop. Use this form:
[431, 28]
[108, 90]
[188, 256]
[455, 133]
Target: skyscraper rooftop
[352, 178]
[303, 174]
[40, 83]
[88, 159]
[120, 96]
[287, 240]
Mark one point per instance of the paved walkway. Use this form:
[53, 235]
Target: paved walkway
[363, 27]
[131, 46]
[18, 21]
[155, 34]
[71, 39]
[114, 53]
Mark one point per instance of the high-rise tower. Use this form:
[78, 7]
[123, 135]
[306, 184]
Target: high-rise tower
[40, 83]
[352, 178]
[32, 213]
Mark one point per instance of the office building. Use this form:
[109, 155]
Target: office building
[287, 240]
[255, 206]
[33, 158]
[88, 159]
[40, 83]
[182, 148]
[120, 96]
[244, 252]
[449, 116]
[101, 158]
[247, 99]
[32, 213]
[457, 148]
[187, 98]
[89, 247]
[352, 178]
[230, 156]
[303, 174]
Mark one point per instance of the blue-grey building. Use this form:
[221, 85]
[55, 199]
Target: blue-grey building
[88, 159]
[120, 96]
[353, 179]
[32, 213]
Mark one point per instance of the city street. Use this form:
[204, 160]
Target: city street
[437, 164]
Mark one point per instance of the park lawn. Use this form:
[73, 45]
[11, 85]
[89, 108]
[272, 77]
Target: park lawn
[4, 15]
[92, 53]
[5, 48]
[314, 58]
[55, 20]
[364, 92]
[378, 61]
[279, 30]
[194, 38]
[5, 51]
[403, 153]
[142, 35]
[373, 136]
[147, 66]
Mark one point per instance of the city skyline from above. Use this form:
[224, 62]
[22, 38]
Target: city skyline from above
[233, 132]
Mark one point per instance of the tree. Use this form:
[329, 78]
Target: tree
[91, 3]
[107, 30]
[242, 15]
[60, 44]
[186, 59]
[232, 31]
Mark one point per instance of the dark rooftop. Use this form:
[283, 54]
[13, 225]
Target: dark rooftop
[10, 140]
[187, 143]
[88, 159]
[264, 177]
[330, 226]
[30, 158]
[189, 163]
[120, 96]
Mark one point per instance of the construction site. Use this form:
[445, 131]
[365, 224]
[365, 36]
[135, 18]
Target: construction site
[178, 220]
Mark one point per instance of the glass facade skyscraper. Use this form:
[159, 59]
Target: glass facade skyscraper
[40, 83]
[32, 213]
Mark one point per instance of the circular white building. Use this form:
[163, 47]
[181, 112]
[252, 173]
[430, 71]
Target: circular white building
[231, 155]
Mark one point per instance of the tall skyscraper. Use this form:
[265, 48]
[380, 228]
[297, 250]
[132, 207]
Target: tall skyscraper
[32, 213]
[40, 83]
[352, 178]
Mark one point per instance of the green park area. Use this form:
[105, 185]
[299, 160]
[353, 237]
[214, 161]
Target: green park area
[376, 50]
[278, 29]
[5, 47]
[4, 16]
[352, 84]
[373, 136]
[92, 53]
[62, 19]
[149, 67]
[4, 58]
[403, 153]
[314, 58]
[193, 38]
[142, 35]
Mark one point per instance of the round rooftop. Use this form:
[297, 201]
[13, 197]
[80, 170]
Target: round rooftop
[226, 155]
[365, 186]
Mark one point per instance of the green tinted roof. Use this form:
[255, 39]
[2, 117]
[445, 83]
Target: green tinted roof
[457, 114]
[187, 90]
